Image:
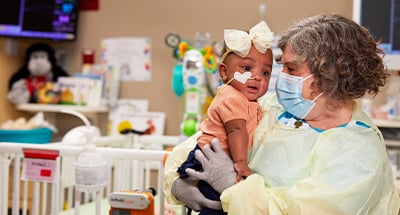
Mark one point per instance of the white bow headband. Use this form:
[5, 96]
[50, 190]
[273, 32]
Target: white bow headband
[240, 41]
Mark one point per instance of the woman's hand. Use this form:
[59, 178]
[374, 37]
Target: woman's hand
[218, 169]
[186, 191]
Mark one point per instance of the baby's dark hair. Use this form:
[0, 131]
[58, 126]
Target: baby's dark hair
[342, 55]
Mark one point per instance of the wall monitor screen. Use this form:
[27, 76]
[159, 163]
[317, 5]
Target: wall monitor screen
[48, 19]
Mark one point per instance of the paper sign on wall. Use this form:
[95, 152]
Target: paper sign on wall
[130, 55]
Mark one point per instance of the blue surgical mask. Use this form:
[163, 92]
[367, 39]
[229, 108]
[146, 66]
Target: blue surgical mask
[288, 89]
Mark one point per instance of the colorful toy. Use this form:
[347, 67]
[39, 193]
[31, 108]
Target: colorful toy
[39, 67]
[48, 93]
[177, 80]
[194, 80]
[194, 76]
[210, 60]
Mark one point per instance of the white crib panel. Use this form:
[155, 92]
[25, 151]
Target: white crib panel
[4, 165]
[25, 198]
[128, 169]
[35, 198]
[16, 176]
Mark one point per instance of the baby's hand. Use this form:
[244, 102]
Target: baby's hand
[242, 169]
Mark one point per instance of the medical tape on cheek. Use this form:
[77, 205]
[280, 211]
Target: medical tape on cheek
[242, 77]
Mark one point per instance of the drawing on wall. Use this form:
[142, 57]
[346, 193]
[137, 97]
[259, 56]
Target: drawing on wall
[130, 55]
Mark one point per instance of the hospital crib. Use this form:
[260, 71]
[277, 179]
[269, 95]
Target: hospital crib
[130, 164]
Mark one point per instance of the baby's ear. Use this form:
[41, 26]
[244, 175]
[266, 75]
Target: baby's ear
[223, 72]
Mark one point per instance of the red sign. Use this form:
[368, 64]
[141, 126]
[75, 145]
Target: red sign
[89, 5]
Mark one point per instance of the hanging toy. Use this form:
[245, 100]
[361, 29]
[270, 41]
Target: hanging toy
[173, 40]
[183, 48]
[177, 80]
[210, 60]
[193, 79]
[218, 48]
[194, 76]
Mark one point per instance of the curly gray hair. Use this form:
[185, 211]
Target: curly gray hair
[342, 55]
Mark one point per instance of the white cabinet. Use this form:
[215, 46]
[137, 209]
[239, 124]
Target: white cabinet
[389, 124]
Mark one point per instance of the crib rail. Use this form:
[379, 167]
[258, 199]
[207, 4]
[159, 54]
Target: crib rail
[129, 168]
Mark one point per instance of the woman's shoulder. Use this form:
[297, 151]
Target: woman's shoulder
[270, 102]
[360, 132]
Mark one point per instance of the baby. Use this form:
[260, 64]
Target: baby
[234, 113]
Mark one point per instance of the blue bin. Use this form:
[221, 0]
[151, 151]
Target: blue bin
[36, 135]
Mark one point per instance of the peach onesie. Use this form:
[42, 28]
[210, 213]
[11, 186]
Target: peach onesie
[229, 104]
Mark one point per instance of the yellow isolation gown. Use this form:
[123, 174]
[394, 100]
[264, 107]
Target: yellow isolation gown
[301, 171]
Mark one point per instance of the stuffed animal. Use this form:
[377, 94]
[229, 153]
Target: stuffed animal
[39, 68]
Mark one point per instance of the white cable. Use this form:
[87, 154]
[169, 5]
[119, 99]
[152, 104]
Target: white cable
[77, 114]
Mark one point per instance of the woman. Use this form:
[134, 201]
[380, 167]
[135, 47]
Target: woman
[315, 151]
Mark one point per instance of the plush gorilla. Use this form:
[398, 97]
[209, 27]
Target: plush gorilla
[39, 68]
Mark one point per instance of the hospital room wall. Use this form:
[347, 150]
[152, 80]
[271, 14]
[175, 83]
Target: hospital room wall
[155, 19]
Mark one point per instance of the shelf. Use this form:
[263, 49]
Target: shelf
[56, 108]
[387, 123]
[95, 114]
[392, 143]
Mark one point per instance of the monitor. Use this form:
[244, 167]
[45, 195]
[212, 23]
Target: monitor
[47, 19]
[382, 19]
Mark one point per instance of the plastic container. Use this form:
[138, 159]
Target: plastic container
[90, 170]
[36, 135]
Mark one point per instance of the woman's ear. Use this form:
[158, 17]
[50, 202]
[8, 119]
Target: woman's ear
[223, 70]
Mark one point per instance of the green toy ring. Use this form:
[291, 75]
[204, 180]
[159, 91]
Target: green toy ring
[210, 63]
